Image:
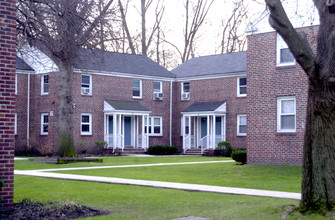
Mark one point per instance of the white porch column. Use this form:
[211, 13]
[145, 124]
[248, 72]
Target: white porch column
[143, 133]
[213, 131]
[194, 132]
[136, 140]
[120, 132]
[114, 130]
[224, 128]
[183, 131]
[147, 144]
[106, 130]
[208, 130]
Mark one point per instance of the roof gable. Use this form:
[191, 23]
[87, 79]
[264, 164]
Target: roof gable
[132, 106]
[21, 65]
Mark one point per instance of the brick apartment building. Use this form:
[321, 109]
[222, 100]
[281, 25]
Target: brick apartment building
[254, 99]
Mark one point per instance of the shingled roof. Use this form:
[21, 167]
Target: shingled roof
[21, 65]
[204, 106]
[127, 106]
[120, 63]
[228, 63]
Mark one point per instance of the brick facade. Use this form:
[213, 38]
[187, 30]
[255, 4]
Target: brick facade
[7, 99]
[267, 83]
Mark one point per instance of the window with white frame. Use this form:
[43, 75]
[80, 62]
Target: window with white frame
[137, 88]
[86, 84]
[15, 128]
[284, 55]
[187, 126]
[155, 126]
[157, 91]
[241, 86]
[86, 124]
[45, 85]
[185, 91]
[241, 125]
[286, 114]
[44, 123]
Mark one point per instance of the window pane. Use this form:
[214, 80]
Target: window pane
[85, 79]
[157, 86]
[186, 87]
[157, 121]
[157, 129]
[286, 56]
[136, 83]
[46, 88]
[46, 79]
[187, 129]
[85, 128]
[287, 122]
[287, 106]
[136, 93]
[243, 90]
[243, 129]
[243, 120]
[45, 118]
[243, 81]
[218, 126]
[45, 128]
[85, 119]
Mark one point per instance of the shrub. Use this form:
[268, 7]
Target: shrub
[100, 146]
[162, 150]
[225, 148]
[240, 155]
[81, 147]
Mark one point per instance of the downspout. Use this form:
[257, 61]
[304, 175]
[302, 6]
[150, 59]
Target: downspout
[171, 112]
[28, 111]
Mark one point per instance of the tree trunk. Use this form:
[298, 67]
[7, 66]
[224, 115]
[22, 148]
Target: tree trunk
[65, 146]
[318, 184]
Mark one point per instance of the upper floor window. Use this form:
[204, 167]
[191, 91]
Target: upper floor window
[284, 55]
[241, 125]
[86, 124]
[185, 91]
[286, 114]
[44, 123]
[241, 86]
[45, 85]
[137, 88]
[155, 126]
[86, 84]
[158, 94]
[15, 84]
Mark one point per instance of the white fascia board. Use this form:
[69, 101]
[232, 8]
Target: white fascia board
[214, 76]
[117, 74]
[203, 113]
[123, 112]
[28, 72]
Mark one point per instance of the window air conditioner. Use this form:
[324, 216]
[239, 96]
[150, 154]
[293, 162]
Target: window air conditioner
[85, 90]
[186, 96]
[158, 95]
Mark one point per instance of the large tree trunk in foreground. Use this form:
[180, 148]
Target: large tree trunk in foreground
[318, 184]
[65, 145]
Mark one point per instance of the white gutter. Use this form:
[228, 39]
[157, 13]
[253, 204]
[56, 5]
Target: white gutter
[171, 112]
[28, 111]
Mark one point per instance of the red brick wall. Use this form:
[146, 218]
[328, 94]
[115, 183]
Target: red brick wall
[266, 83]
[7, 99]
[212, 90]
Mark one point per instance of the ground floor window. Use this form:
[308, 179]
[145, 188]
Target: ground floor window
[155, 126]
[86, 124]
[241, 125]
[286, 114]
[44, 123]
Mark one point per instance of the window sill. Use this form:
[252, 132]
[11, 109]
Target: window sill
[241, 96]
[241, 135]
[134, 97]
[44, 134]
[286, 133]
[86, 134]
[86, 94]
[285, 65]
[43, 94]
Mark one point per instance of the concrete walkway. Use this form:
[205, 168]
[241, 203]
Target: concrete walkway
[169, 185]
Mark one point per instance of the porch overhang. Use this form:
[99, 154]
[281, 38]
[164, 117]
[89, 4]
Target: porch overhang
[125, 108]
[205, 108]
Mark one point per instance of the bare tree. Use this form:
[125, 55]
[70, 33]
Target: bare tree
[233, 39]
[194, 17]
[59, 29]
[318, 184]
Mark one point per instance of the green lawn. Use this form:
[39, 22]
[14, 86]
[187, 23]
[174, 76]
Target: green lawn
[111, 161]
[133, 202]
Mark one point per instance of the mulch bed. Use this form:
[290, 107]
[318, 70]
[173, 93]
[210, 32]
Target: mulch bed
[28, 209]
[65, 160]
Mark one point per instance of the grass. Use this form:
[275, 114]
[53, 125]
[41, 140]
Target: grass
[132, 202]
[111, 161]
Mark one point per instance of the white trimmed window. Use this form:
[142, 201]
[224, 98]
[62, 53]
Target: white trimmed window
[44, 123]
[284, 55]
[241, 125]
[86, 124]
[241, 86]
[187, 126]
[185, 91]
[15, 128]
[86, 84]
[157, 90]
[155, 126]
[137, 88]
[45, 85]
[286, 114]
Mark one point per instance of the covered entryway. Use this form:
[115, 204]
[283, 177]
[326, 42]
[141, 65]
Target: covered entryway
[124, 123]
[204, 125]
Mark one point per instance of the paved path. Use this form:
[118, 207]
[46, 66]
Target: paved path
[169, 185]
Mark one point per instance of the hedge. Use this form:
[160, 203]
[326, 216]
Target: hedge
[240, 155]
[162, 150]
